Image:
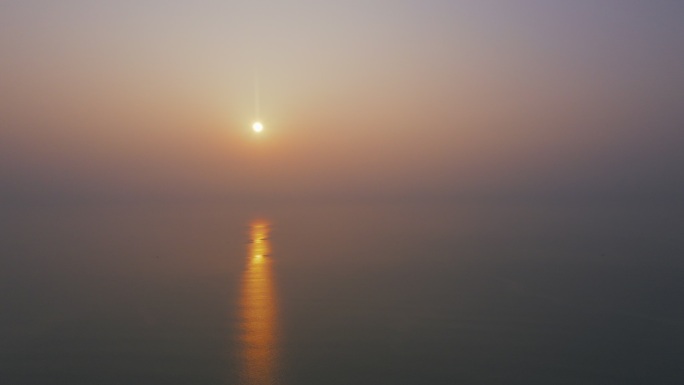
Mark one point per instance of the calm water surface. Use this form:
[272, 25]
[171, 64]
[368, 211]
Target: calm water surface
[341, 294]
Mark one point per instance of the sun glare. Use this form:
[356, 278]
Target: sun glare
[257, 127]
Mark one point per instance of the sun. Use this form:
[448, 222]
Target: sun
[257, 127]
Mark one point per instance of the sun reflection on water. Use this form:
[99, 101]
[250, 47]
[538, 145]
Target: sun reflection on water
[258, 312]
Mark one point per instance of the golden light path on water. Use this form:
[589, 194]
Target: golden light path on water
[258, 312]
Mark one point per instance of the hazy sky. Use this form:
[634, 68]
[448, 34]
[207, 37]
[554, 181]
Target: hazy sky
[359, 98]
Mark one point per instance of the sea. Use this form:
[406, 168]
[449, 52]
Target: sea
[354, 293]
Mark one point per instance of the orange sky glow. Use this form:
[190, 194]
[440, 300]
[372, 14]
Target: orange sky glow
[157, 98]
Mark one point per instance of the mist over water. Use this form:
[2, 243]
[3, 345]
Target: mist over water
[341, 293]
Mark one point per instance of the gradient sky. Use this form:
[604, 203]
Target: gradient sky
[521, 98]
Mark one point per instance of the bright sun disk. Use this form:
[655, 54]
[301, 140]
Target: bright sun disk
[257, 127]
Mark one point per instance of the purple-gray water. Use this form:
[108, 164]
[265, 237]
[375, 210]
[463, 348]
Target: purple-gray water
[350, 294]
